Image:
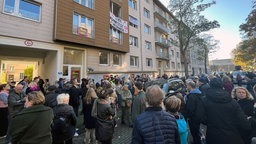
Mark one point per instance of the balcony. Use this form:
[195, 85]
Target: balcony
[162, 55]
[161, 28]
[163, 42]
[160, 15]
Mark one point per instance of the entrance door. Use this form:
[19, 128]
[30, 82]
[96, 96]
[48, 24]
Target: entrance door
[72, 71]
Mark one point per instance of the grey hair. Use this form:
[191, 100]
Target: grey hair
[191, 83]
[61, 98]
[154, 96]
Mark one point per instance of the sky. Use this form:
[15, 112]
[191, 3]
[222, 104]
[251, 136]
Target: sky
[230, 14]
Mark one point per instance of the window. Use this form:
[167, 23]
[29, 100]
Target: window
[149, 62]
[133, 41]
[104, 57]
[87, 3]
[148, 45]
[117, 59]
[178, 55]
[132, 4]
[147, 1]
[147, 29]
[115, 9]
[178, 65]
[173, 65]
[115, 36]
[133, 22]
[83, 26]
[11, 68]
[146, 13]
[172, 52]
[134, 61]
[73, 56]
[3, 66]
[22, 75]
[167, 64]
[23, 8]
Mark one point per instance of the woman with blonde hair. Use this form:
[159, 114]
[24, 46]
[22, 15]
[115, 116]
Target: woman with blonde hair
[244, 99]
[32, 124]
[173, 104]
[89, 121]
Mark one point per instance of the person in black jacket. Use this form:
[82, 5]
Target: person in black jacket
[75, 93]
[64, 121]
[51, 96]
[192, 109]
[155, 125]
[224, 116]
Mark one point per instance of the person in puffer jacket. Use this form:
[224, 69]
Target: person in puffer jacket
[155, 125]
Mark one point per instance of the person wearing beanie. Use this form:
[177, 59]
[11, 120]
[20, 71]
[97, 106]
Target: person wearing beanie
[203, 85]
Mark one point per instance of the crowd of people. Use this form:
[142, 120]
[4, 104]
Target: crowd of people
[32, 112]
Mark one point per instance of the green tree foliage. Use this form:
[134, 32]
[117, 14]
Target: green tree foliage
[244, 54]
[189, 23]
[29, 72]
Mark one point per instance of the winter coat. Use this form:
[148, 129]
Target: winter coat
[225, 118]
[15, 102]
[155, 126]
[89, 121]
[247, 106]
[228, 87]
[191, 104]
[32, 125]
[138, 105]
[74, 96]
[67, 112]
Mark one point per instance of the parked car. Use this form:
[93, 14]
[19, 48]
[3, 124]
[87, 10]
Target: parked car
[235, 73]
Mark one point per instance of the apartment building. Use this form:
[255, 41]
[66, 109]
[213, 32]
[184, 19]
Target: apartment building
[168, 54]
[69, 39]
[141, 37]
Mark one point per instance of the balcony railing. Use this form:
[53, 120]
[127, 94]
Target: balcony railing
[161, 28]
[163, 42]
[163, 55]
[160, 14]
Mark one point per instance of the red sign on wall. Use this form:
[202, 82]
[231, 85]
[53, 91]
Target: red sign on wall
[28, 42]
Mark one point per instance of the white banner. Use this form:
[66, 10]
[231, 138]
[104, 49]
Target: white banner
[118, 23]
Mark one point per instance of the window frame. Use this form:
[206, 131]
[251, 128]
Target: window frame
[132, 4]
[119, 59]
[16, 9]
[146, 13]
[149, 62]
[86, 3]
[133, 40]
[108, 55]
[146, 45]
[148, 27]
[75, 30]
[136, 61]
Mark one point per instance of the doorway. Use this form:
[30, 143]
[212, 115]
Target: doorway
[72, 71]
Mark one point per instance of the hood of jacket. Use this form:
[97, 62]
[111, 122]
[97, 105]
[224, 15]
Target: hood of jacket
[218, 95]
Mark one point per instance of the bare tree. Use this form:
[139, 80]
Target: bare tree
[188, 23]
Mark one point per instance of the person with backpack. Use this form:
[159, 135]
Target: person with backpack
[172, 105]
[64, 121]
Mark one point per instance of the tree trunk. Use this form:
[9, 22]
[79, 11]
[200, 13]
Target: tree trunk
[205, 62]
[185, 60]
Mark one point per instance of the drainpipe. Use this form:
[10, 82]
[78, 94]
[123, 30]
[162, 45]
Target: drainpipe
[141, 57]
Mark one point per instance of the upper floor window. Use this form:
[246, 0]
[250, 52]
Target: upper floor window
[132, 4]
[83, 26]
[87, 3]
[133, 22]
[173, 65]
[117, 59]
[134, 61]
[115, 9]
[147, 29]
[11, 68]
[28, 9]
[148, 45]
[178, 55]
[115, 35]
[149, 62]
[104, 57]
[133, 41]
[146, 13]
[172, 52]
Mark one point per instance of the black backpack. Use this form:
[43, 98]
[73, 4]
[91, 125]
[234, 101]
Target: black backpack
[60, 124]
